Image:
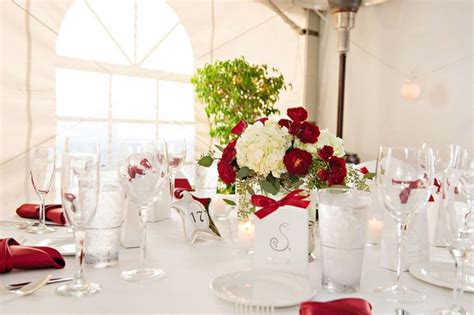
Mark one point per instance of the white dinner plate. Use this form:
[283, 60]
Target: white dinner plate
[263, 287]
[441, 274]
[64, 245]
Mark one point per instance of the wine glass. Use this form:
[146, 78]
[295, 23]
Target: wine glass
[79, 194]
[176, 157]
[459, 228]
[403, 179]
[140, 175]
[42, 166]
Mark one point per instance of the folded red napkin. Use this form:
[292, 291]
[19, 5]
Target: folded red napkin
[182, 183]
[53, 212]
[16, 256]
[349, 306]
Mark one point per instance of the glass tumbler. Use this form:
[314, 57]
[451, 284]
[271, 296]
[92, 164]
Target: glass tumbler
[342, 229]
[103, 233]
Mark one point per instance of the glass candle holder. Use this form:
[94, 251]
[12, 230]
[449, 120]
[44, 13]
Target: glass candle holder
[242, 231]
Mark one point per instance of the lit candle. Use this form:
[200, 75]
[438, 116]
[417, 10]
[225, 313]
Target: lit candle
[245, 235]
[218, 208]
[374, 231]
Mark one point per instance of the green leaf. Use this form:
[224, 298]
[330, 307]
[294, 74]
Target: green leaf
[243, 172]
[268, 187]
[229, 202]
[369, 175]
[205, 161]
[219, 147]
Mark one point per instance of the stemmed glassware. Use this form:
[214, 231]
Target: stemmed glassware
[140, 174]
[42, 166]
[458, 187]
[176, 157]
[403, 179]
[79, 194]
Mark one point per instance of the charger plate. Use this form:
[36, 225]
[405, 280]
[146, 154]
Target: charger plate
[263, 288]
[441, 274]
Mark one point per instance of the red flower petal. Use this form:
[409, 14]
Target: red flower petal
[239, 128]
[297, 114]
[297, 162]
[325, 152]
[262, 120]
[226, 172]
[308, 132]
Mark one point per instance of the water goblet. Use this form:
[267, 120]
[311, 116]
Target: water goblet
[42, 166]
[140, 175]
[176, 157]
[79, 194]
[404, 177]
[458, 187]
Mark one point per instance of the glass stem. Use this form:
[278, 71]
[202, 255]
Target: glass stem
[401, 228]
[172, 180]
[143, 214]
[458, 284]
[80, 236]
[42, 214]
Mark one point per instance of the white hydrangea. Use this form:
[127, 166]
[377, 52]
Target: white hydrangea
[262, 148]
[325, 138]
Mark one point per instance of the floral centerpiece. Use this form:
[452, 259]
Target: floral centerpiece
[281, 156]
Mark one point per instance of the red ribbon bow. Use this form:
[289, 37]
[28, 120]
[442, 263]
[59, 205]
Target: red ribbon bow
[269, 205]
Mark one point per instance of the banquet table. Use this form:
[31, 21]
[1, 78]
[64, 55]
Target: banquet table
[189, 272]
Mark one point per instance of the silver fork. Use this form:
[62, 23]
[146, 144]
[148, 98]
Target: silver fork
[248, 309]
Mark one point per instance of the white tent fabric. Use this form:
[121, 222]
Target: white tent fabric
[29, 35]
[432, 39]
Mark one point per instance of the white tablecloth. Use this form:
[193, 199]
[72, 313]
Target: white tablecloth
[189, 271]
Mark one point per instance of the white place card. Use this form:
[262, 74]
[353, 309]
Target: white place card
[281, 241]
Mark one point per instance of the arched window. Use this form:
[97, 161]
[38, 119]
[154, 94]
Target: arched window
[123, 70]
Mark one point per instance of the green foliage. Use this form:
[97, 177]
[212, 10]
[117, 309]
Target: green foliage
[205, 161]
[234, 90]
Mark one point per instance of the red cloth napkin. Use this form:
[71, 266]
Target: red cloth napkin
[182, 183]
[16, 256]
[53, 212]
[349, 306]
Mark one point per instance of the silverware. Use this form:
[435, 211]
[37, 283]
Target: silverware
[14, 286]
[401, 311]
[28, 289]
[247, 309]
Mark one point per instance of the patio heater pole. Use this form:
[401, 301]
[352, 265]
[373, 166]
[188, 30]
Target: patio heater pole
[343, 17]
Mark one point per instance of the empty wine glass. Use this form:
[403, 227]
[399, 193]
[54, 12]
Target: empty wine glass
[140, 175]
[42, 166]
[444, 156]
[459, 228]
[403, 179]
[176, 157]
[79, 194]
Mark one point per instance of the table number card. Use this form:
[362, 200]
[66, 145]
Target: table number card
[281, 233]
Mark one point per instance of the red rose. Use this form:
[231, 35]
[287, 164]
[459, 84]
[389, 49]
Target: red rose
[364, 170]
[285, 123]
[309, 133]
[323, 175]
[239, 128]
[297, 162]
[229, 152]
[226, 172]
[297, 113]
[294, 128]
[262, 120]
[326, 152]
[337, 171]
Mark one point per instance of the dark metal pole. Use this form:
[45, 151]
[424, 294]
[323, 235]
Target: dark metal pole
[340, 95]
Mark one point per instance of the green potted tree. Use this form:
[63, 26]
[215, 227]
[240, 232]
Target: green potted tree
[234, 90]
